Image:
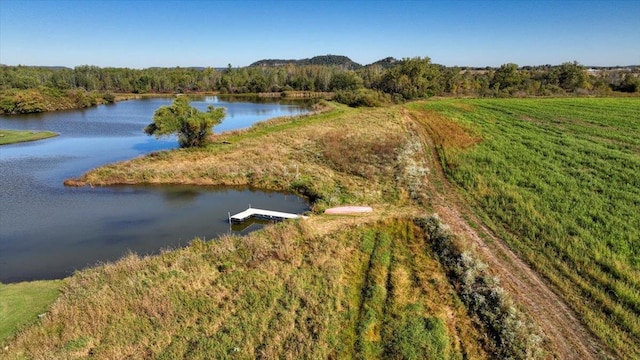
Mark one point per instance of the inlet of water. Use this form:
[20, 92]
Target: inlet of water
[48, 230]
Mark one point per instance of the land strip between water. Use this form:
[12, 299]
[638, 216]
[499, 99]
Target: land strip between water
[374, 273]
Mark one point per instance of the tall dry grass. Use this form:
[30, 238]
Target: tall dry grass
[285, 292]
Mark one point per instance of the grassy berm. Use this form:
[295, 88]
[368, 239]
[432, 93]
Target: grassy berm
[373, 286]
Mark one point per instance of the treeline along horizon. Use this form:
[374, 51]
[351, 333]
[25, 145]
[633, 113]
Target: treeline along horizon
[400, 80]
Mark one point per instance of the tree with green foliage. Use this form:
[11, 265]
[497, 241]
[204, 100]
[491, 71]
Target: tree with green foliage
[345, 81]
[569, 76]
[412, 78]
[629, 84]
[192, 126]
[405, 79]
[506, 77]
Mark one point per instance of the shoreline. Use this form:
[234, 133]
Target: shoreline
[99, 98]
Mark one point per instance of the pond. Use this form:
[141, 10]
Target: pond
[48, 230]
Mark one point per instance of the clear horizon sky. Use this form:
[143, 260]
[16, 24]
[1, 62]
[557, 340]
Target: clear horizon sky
[145, 33]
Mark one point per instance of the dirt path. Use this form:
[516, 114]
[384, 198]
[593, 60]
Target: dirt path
[568, 337]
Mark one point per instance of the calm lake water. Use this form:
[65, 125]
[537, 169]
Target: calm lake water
[48, 230]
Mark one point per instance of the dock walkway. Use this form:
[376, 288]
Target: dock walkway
[262, 214]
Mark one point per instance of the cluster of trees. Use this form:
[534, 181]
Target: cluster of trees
[41, 99]
[180, 80]
[119, 80]
[397, 80]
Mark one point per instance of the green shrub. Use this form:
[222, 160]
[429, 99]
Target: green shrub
[361, 98]
[109, 98]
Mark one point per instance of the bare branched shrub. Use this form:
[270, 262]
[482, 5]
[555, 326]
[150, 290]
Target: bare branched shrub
[413, 170]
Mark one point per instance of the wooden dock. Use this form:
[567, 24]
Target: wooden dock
[262, 214]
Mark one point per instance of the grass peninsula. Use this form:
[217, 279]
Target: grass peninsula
[16, 136]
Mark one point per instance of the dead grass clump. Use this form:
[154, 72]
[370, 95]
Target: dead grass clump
[449, 137]
[367, 157]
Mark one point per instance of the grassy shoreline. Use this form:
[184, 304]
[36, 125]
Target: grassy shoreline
[17, 136]
[307, 279]
[372, 278]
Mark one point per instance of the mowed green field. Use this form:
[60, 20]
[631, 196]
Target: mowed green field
[21, 303]
[559, 180]
[16, 136]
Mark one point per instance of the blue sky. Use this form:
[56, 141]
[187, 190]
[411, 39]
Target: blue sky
[140, 34]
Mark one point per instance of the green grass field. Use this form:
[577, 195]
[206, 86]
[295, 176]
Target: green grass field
[16, 136]
[559, 179]
[21, 303]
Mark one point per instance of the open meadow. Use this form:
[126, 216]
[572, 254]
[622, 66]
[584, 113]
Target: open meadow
[558, 180]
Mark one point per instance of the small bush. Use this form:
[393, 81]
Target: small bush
[361, 97]
[7, 105]
[305, 187]
[109, 98]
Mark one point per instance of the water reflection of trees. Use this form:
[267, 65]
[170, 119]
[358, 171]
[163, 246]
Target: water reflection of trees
[245, 226]
[181, 195]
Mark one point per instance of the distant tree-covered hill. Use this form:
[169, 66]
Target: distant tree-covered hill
[386, 62]
[326, 60]
[39, 67]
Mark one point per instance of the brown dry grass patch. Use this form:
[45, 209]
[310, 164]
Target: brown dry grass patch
[447, 133]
